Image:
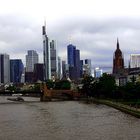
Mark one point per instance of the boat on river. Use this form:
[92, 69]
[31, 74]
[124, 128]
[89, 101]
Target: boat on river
[16, 99]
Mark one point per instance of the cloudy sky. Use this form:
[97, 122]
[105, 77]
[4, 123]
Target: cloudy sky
[91, 25]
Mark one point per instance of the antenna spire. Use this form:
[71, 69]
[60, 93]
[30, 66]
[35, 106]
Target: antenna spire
[117, 43]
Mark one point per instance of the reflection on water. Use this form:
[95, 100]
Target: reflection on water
[67, 120]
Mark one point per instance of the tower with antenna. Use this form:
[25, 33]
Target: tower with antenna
[46, 54]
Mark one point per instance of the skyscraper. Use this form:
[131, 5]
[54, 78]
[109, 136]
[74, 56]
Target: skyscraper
[59, 68]
[77, 63]
[88, 63]
[4, 68]
[31, 59]
[134, 60]
[53, 59]
[46, 54]
[81, 68]
[73, 57]
[118, 60]
[38, 72]
[16, 70]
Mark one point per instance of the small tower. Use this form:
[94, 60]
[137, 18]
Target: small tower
[118, 60]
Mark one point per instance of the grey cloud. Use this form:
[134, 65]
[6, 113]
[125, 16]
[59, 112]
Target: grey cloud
[96, 38]
[99, 36]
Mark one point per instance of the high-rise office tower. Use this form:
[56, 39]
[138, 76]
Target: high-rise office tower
[77, 63]
[16, 70]
[88, 66]
[53, 59]
[4, 68]
[46, 54]
[64, 69]
[59, 68]
[118, 60]
[81, 68]
[134, 60]
[73, 62]
[38, 72]
[71, 55]
[31, 59]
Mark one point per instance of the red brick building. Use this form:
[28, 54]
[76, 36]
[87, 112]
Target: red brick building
[118, 61]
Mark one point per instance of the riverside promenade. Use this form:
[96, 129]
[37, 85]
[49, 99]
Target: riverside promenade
[122, 107]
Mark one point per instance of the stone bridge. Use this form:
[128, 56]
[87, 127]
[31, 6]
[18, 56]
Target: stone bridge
[48, 94]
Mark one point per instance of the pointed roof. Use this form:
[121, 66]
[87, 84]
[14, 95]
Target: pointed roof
[117, 43]
[118, 51]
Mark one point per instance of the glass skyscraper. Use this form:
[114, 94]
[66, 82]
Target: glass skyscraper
[54, 61]
[46, 54]
[73, 62]
[16, 70]
[31, 59]
[71, 55]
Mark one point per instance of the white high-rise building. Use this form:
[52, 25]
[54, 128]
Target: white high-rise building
[98, 72]
[46, 55]
[4, 68]
[134, 60]
[31, 59]
[87, 66]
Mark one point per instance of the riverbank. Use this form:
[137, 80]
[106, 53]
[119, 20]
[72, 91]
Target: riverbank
[124, 108]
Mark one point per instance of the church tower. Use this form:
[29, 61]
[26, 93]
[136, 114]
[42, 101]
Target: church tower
[118, 60]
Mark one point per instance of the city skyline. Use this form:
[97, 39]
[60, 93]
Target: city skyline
[93, 26]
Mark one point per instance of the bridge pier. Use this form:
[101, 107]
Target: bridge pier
[44, 98]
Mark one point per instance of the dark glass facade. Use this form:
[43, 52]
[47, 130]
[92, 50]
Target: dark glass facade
[16, 70]
[73, 62]
[29, 77]
[71, 55]
[81, 68]
[38, 72]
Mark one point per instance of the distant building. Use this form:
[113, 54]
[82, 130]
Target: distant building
[38, 72]
[73, 62]
[23, 75]
[29, 77]
[31, 59]
[64, 69]
[71, 50]
[88, 63]
[119, 72]
[134, 60]
[77, 63]
[53, 59]
[59, 68]
[4, 68]
[118, 61]
[81, 68]
[16, 70]
[98, 72]
[46, 54]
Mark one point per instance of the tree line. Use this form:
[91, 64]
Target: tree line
[105, 87]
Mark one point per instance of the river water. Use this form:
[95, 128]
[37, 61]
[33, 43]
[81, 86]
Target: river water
[66, 120]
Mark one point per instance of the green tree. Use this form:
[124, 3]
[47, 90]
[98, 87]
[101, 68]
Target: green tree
[11, 88]
[50, 84]
[107, 85]
[63, 84]
[87, 88]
